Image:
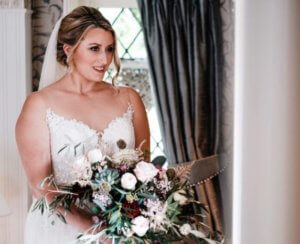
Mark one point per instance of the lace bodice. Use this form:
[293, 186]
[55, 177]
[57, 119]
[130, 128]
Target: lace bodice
[75, 137]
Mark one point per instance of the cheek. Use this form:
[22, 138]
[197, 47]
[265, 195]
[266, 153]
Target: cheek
[109, 57]
[83, 58]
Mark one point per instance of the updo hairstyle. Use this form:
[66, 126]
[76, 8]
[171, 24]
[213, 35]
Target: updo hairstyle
[74, 27]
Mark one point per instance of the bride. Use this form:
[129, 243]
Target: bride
[74, 106]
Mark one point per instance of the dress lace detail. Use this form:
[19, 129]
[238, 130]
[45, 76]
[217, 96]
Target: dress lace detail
[76, 138]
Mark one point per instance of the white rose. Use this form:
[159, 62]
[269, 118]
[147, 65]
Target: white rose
[185, 229]
[179, 197]
[128, 181]
[94, 155]
[145, 171]
[82, 168]
[140, 225]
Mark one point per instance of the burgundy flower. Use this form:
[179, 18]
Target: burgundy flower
[131, 209]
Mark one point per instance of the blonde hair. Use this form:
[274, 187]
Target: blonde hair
[74, 27]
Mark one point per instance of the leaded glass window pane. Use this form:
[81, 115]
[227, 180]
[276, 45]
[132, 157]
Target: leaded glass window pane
[127, 24]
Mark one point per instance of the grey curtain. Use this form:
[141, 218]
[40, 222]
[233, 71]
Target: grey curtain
[183, 41]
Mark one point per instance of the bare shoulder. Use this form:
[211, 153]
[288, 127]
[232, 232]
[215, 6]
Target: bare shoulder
[31, 117]
[35, 99]
[133, 97]
[33, 105]
[131, 92]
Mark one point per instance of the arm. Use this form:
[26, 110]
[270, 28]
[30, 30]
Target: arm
[32, 139]
[140, 122]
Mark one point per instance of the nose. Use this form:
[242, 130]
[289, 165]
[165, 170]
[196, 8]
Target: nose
[102, 57]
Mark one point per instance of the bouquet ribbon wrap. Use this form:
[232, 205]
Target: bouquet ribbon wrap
[203, 169]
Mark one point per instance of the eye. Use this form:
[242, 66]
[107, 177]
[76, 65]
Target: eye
[94, 49]
[110, 49]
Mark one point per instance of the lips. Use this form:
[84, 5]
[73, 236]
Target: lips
[99, 69]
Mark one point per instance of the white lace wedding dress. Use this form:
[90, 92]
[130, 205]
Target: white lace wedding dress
[42, 229]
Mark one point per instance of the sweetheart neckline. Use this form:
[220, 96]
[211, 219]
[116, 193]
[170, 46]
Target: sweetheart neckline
[129, 110]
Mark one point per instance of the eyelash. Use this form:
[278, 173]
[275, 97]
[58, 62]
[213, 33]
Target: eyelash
[110, 49]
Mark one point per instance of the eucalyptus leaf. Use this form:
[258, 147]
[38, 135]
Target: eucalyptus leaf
[120, 190]
[115, 215]
[99, 204]
[61, 217]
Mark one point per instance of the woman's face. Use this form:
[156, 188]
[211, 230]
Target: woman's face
[94, 54]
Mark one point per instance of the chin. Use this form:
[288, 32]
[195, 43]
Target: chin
[94, 78]
[91, 76]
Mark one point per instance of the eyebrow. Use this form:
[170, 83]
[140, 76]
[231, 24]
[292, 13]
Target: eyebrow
[97, 44]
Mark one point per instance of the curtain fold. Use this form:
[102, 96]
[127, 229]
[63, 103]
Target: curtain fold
[183, 41]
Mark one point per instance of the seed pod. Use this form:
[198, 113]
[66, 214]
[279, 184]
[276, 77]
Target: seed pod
[121, 144]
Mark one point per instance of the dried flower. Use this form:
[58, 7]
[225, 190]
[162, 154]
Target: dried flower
[121, 144]
[129, 156]
[105, 187]
[123, 167]
[162, 183]
[180, 198]
[130, 198]
[156, 212]
[103, 198]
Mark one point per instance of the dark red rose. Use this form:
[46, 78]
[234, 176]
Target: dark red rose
[131, 209]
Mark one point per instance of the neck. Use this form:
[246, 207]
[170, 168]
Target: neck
[79, 84]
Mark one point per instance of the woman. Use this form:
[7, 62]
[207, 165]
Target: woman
[78, 107]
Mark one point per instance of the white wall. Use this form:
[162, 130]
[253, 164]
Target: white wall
[15, 83]
[267, 116]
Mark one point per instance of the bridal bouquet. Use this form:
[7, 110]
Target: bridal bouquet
[129, 199]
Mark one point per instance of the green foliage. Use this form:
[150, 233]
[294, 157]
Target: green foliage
[159, 160]
[61, 217]
[41, 204]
